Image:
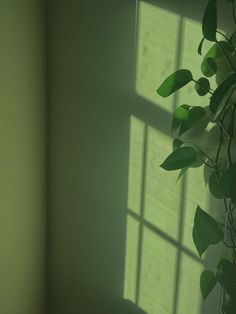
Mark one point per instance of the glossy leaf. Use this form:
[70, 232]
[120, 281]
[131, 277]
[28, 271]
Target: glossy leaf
[215, 186]
[206, 231]
[194, 115]
[207, 283]
[202, 86]
[174, 82]
[180, 158]
[209, 67]
[180, 114]
[209, 22]
[221, 92]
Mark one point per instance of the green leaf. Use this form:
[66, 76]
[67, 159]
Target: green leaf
[199, 49]
[215, 186]
[228, 182]
[215, 52]
[180, 158]
[194, 115]
[202, 86]
[226, 276]
[182, 172]
[180, 114]
[209, 21]
[231, 290]
[220, 92]
[174, 82]
[200, 243]
[177, 143]
[208, 67]
[207, 283]
[206, 231]
[230, 306]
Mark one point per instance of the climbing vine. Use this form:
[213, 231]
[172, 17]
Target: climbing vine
[219, 116]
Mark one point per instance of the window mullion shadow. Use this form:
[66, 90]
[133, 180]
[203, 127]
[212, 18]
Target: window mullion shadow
[141, 226]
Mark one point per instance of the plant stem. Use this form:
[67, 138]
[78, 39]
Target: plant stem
[234, 15]
[231, 132]
[227, 39]
[210, 91]
[226, 56]
[229, 246]
[221, 126]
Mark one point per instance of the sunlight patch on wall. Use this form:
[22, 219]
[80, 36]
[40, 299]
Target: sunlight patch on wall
[190, 59]
[162, 267]
[153, 226]
[162, 193]
[157, 274]
[130, 282]
[197, 194]
[156, 51]
[135, 164]
[189, 296]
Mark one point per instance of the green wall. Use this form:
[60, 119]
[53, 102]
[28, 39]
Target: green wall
[91, 98]
[91, 62]
[92, 95]
[23, 157]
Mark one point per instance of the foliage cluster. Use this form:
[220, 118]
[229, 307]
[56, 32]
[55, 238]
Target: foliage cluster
[219, 114]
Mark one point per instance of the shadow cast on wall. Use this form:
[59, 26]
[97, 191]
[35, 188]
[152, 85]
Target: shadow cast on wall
[100, 107]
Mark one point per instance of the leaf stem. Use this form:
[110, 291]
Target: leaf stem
[234, 15]
[231, 132]
[226, 56]
[210, 91]
[227, 39]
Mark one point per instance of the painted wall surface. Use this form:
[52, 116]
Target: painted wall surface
[91, 61]
[22, 157]
[94, 91]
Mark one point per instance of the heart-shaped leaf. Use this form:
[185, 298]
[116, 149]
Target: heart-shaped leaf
[221, 92]
[215, 185]
[209, 21]
[180, 114]
[174, 82]
[180, 158]
[207, 283]
[194, 115]
[200, 243]
[206, 231]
